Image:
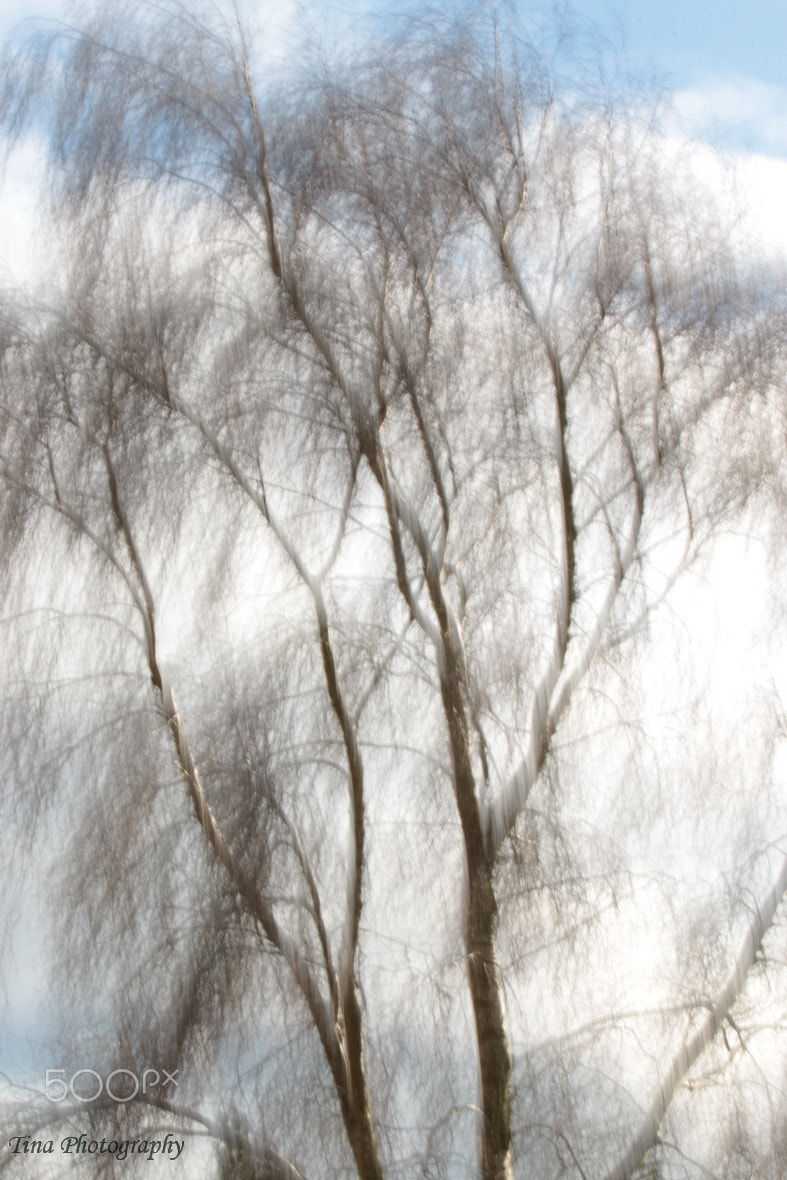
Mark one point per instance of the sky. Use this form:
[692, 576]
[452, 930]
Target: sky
[691, 40]
[721, 61]
[729, 54]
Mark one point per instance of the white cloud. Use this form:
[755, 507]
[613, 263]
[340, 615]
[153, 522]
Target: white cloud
[736, 134]
[20, 194]
[752, 191]
[738, 113]
[763, 183]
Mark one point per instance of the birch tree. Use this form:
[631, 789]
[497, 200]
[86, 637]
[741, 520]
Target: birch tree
[358, 455]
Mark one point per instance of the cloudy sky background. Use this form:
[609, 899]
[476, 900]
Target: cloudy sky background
[722, 62]
[722, 65]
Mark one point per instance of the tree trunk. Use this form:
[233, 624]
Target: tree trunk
[484, 979]
[494, 1050]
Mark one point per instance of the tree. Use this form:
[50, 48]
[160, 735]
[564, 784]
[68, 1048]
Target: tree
[373, 424]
